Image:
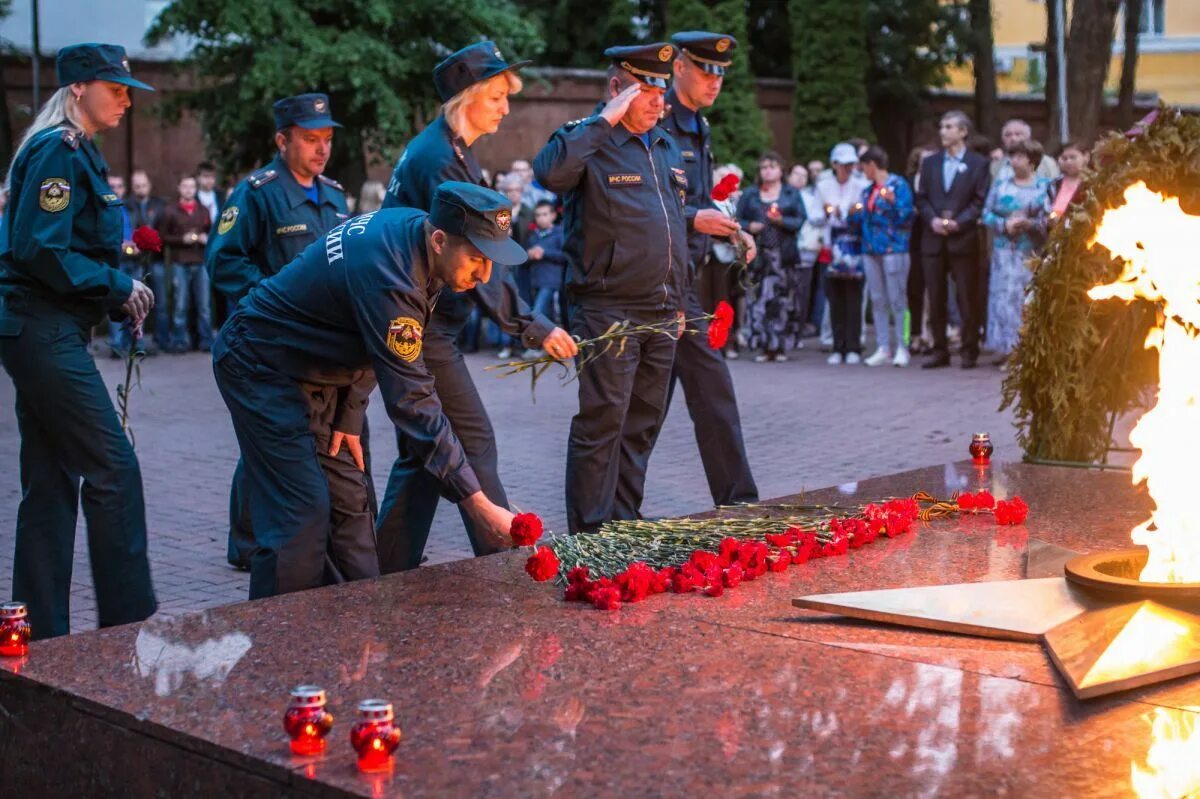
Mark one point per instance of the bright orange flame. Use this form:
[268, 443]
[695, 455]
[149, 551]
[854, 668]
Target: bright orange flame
[1173, 758]
[1151, 636]
[1155, 237]
[309, 729]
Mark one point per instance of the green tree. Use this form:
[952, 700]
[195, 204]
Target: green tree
[830, 61]
[739, 129]
[374, 58]
[578, 31]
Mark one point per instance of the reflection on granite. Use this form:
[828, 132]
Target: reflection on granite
[503, 689]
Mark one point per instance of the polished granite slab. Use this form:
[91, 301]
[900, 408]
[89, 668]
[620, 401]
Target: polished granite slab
[504, 690]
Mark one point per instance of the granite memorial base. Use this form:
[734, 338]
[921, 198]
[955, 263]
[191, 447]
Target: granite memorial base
[502, 689]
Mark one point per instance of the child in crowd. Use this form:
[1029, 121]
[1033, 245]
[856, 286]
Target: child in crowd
[547, 261]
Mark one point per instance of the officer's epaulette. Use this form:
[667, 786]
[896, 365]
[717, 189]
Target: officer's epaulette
[573, 123]
[70, 138]
[331, 182]
[262, 177]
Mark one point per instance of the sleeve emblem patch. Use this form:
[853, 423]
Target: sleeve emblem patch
[404, 338]
[54, 195]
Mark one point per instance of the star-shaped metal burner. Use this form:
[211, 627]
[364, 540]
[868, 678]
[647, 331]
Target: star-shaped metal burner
[1099, 642]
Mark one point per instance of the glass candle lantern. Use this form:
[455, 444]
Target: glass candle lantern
[307, 722]
[375, 735]
[981, 449]
[14, 630]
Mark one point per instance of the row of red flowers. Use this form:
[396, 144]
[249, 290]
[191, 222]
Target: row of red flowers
[743, 560]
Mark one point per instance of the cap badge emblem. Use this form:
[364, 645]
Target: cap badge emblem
[319, 106]
[665, 53]
[722, 45]
[125, 64]
[504, 220]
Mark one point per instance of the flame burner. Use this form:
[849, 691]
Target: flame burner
[1114, 576]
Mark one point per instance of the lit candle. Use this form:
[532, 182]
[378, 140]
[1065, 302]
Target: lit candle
[375, 736]
[14, 630]
[306, 721]
[981, 449]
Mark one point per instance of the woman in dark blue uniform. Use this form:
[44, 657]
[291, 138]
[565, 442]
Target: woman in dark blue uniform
[475, 84]
[59, 244]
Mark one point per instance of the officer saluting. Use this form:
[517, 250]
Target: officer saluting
[59, 247]
[626, 239]
[474, 84]
[701, 370]
[358, 299]
[270, 218]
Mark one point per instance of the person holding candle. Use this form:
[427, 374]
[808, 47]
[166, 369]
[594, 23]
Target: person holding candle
[1016, 211]
[885, 219]
[59, 247]
[358, 299]
[184, 227]
[840, 189]
[474, 84]
[772, 211]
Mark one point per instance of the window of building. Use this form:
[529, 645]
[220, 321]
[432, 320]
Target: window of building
[1154, 15]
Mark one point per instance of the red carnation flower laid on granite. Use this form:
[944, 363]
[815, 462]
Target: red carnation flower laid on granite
[146, 239]
[720, 325]
[526, 529]
[712, 556]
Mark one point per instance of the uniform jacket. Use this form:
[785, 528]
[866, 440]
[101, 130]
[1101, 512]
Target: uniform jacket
[175, 225]
[268, 221]
[433, 157]
[360, 298]
[547, 271]
[963, 203]
[884, 223]
[625, 222]
[696, 149]
[61, 233]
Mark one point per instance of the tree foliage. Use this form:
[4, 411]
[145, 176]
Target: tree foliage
[739, 128]
[578, 31]
[374, 58]
[1079, 361]
[829, 64]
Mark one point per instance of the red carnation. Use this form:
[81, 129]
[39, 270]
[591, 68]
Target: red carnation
[984, 500]
[728, 550]
[720, 325]
[542, 564]
[779, 561]
[966, 501]
[728, 185]
[635, 582]
[607, 598]
[526, 529]
[1012, 512]
[579, 575]
[683, 582]
[732, 577]
[147, 239]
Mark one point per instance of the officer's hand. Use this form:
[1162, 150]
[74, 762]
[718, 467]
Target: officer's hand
[140, 302]
[751, 247]
[353, 443]
[560, 345]
[615, 110]
[682, 319]
[715, 223]
[492, 522]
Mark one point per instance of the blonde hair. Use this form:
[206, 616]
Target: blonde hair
[59, 111]
[455, 109]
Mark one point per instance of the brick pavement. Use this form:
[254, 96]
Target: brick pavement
[807, 426]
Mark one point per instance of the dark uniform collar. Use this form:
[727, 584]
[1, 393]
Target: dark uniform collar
[681, 113]
[462, 152]
[294, 192]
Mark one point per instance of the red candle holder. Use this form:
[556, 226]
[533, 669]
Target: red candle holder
[981, 449]
[375, 736]
[306, 721]
[14, 630]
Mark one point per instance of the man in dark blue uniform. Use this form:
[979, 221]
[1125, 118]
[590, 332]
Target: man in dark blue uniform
[359, 299]
[440, 153]
[707, 385]
[270, 218]
[626, 229]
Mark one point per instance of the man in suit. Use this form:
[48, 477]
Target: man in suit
[954, 184]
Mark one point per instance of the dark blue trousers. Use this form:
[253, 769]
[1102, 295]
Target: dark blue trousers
[622, 402]
[70, 434]
[712, 404]
[412, 495]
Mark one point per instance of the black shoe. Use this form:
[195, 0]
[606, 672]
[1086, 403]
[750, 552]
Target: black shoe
[939, 361]
[240, 565]
[969, 361]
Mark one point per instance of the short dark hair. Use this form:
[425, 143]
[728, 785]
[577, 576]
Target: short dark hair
[1074, 144]
[545, 203]
[1030, 148]
[771, 155]
[205, 166]
[875, 155]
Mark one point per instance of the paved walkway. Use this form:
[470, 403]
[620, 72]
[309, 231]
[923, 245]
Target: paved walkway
[808, 425]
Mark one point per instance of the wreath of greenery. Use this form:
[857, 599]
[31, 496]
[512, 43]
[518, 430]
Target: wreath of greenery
[1081, 363]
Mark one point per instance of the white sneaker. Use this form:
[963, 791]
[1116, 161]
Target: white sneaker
[835, 359]
[879, 358]
[762, 358]
[780, 358]
[853, 358]
[504, 354]
[901, 358]
[530, 354]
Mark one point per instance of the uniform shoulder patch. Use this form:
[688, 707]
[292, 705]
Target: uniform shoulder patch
[404, 338]
[70, 138]
[261, 177]
[331, 182]
[54, 195]
[574, 123]
[228, 218]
